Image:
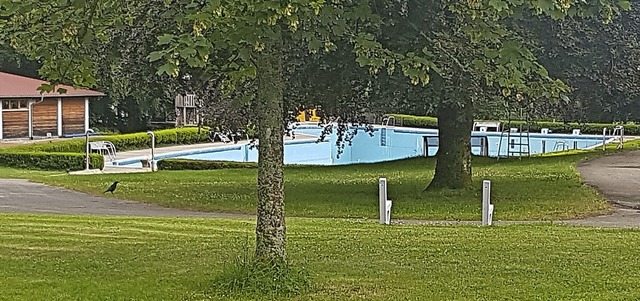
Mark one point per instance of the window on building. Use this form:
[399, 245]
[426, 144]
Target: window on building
[15, 104]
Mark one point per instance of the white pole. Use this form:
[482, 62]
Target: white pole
[86, 113]
[59, 117]
[604, 139]
[384, 204]
[486, 202]
[153, 147]
[87, 142]
[1, 129]
[382, 198]
[30, 117]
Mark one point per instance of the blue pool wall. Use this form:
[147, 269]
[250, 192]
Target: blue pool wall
[385, 143]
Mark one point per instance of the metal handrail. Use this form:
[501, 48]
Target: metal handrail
[560, 144]
[388, 119]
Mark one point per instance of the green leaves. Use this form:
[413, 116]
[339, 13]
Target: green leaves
[156, 55]
[498, 5]
[165, 39]
[624, 4]
[169, 68]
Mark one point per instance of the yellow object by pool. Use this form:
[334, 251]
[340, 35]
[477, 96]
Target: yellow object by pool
[308, 115]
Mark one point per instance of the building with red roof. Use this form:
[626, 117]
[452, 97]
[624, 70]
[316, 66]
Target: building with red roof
[27, 113]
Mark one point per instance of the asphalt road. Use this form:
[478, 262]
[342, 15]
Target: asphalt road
[617, 178]
[21, 196]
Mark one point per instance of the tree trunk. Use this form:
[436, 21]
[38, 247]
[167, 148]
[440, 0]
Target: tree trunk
[270, 228]
[453, 159]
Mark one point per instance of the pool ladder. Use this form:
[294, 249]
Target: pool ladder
[387, 120]
[560, 146]
[519, 143]
[618, 136]
[383, 130]
[383, 137]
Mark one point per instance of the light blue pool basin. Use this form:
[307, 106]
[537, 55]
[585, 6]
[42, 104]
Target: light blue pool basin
[384, 144]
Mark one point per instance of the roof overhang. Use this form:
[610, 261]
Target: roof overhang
[16, 86]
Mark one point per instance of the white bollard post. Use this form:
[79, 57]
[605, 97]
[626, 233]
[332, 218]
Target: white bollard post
[384, 203]
[153, 149]
[490, 219]
[487, 207]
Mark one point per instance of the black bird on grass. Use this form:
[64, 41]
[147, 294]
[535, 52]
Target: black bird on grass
[112, 187]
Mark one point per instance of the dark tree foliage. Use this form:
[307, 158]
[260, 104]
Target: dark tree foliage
[598, 61]
[12, 62]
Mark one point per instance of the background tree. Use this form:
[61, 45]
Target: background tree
[598, 61]
[478, 53]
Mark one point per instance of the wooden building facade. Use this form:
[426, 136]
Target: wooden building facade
[26, 113]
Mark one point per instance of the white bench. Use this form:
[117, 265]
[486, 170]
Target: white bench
[226, 138]
[104, 148]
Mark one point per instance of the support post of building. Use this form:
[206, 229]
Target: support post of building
[59, 118]
[86, 114]
[30, 117]
[1, 129]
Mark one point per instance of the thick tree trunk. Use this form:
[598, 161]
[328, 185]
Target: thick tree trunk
[270, 229]
[453, 160]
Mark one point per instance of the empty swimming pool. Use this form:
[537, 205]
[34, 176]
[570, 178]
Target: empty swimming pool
[384, 144]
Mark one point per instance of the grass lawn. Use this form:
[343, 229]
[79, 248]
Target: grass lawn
[528, 189]
[98, 258]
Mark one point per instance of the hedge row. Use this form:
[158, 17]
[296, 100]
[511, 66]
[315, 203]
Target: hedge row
[69, 154]
[49, 161]
[185, 164]
[122, 142]
[556, 127]
[426, 122]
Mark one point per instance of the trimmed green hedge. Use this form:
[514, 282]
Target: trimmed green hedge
[426, 122]
[185, 164]
[69, 154]
[49, 161]
[556, 127]
[122, 142]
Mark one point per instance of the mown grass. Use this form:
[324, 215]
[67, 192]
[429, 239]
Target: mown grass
[15, 173]
[528, 189]
[98, 258]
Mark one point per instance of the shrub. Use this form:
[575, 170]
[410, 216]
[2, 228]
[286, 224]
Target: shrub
[49, 161]
[69, 154]
[186, 164]
[122, 142]
[416, 121]
[557, 127]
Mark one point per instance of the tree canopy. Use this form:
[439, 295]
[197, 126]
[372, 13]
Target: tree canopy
[464, 50]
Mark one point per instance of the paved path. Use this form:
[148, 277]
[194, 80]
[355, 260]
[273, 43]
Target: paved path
[617, 177]
[22, 196]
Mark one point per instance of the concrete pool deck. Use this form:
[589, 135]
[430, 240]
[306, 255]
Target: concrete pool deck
[180, 148]
[109, 168]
